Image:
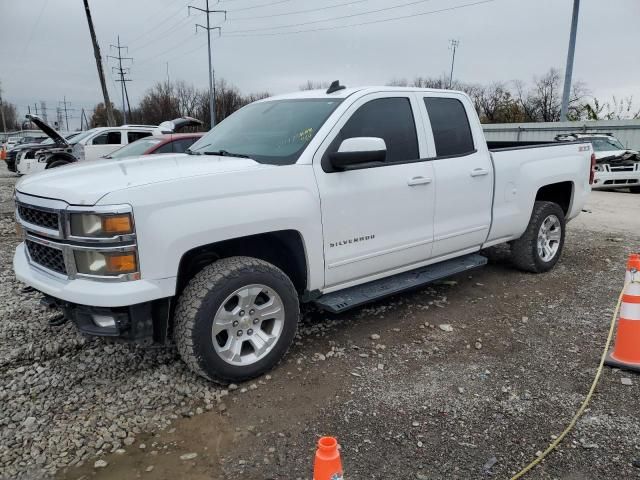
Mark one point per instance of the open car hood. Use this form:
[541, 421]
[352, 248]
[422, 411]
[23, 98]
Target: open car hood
[171, 126]
[51, 133]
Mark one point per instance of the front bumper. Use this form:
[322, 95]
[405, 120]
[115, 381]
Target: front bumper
[89, 292]
[616, 179]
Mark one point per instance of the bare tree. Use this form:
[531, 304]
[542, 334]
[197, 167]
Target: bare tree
[314, 85]
[616, 109]
[99, 116]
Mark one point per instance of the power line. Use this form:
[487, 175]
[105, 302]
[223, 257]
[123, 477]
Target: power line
[153, 39]
[170, 17]
[309, 10]
[259, 6]
[341, 17]
[372, 22]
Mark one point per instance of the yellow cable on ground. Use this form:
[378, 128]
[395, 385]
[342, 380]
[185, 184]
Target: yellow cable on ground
[575, 418]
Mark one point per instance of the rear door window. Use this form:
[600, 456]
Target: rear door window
[388, 118]
[133, 136]
[450, 126]
[107, 138]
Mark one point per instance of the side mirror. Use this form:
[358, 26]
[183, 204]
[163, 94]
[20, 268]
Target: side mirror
[357, 151]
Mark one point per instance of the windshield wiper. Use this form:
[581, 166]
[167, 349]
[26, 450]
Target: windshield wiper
[188, 151]
[225, 153]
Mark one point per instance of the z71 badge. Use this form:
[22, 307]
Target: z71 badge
[348, 241]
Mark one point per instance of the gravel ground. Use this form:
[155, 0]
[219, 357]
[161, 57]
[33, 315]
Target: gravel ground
[466, 379]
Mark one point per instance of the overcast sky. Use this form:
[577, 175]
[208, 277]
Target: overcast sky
[46, 53]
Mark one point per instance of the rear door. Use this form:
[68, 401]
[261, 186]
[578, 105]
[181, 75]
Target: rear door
[463, 174]
[103, 144]
[376, 219]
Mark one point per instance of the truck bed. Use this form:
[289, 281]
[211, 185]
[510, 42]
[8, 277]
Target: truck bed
[500, 145]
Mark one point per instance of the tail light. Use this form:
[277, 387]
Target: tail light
[592, 170]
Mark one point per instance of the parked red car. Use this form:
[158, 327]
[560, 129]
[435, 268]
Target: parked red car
[168, 143]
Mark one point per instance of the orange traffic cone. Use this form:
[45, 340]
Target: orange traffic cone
[626, 352]
[3, 153]
[327, 465]
[633, 265]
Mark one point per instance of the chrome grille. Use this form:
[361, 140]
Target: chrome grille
[47, 257]
[40, 218]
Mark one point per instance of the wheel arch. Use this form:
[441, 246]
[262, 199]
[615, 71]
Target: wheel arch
[283, 248]
[560, 193]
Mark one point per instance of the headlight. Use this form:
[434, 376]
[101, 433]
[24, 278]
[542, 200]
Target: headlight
[91, 262]
[94, 225]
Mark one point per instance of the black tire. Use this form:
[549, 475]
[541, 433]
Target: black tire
[205, 294]
[57, 163]
[524, 251]
[634, 189]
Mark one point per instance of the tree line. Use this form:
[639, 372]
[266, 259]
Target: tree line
[499, 102]
[169, 100]
[538, 101]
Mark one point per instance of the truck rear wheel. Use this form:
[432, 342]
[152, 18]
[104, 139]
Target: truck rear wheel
[236, 319]
[540, 247]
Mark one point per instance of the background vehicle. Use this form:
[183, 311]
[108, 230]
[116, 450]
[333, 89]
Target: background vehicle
[95, 143]
[337, 198]
[168, 143]
[13, 153]
[27, 151]
[616, 166]
[12, 142]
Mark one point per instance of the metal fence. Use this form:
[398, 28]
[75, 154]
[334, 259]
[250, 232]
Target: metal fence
[627, 131]
[20, 134]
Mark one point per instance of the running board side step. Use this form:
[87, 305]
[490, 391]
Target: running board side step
[342, 300]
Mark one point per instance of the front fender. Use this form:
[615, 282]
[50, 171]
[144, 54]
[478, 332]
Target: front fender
[175, 217]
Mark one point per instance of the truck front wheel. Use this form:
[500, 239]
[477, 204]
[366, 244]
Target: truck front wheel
[236, 319]
[540, 247]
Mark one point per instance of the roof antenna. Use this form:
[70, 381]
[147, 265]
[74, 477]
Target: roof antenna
[335, 86]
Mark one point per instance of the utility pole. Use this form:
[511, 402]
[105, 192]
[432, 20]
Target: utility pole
[168, 79]
[4, 123]
[208, 28]
[568, 71]
[66, 114]
[43, 107]
[96, 52]
[453, 44]
[122, 72]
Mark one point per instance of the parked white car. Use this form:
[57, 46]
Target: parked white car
[93, 144]
[616, 166]
[335, 197]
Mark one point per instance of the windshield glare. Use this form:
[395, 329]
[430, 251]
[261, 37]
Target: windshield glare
[606, 144]
[274, 132]
[136, 148]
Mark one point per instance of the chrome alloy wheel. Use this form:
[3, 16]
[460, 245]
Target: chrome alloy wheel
[549, 237]
[248, 324]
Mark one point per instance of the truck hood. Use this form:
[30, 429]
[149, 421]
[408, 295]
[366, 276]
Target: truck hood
[616, 155]
[85, 183]
[50, 132]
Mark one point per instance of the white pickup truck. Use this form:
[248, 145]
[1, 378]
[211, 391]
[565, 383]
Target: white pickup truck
[335, 198]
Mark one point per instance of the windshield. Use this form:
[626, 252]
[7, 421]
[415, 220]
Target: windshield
[601, 144]
[274, 132]
[136, 148]
[80, 136]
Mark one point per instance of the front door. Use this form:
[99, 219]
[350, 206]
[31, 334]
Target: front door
[103, 144]
[376, 219]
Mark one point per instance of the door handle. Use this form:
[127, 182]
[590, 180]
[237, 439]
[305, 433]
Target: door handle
[419, 181]
[478, 172]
